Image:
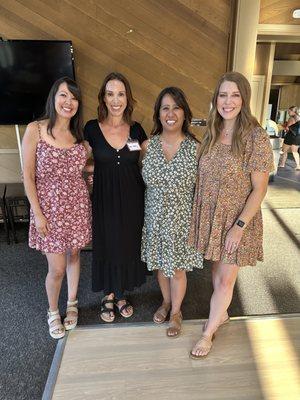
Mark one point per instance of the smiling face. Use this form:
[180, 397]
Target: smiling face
[66, 105]
[170, 114]
[229, 101]
[115, 98]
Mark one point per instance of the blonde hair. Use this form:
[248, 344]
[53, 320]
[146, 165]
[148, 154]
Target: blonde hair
[244, 123]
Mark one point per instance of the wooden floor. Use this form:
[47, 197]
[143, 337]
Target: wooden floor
[254, 358]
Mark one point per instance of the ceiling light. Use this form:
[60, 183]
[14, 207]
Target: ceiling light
[296, 13]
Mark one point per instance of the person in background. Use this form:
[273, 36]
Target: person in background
[169, 171]
[60, 218]
[118, 197]
[291, 140]
[235, 160]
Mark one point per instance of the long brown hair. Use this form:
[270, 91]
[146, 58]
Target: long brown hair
[244, 123]
[181, 101]
[102, 109]
[76, 122]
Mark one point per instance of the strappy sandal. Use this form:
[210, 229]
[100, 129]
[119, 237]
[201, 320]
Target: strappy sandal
[71, 320]
[105, 312]
[161, 313]
[221, 324]
[205, 344]
[57, 331]
[174, 329]
[123, 307]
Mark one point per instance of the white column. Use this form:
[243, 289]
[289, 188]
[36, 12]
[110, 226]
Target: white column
[245, 37]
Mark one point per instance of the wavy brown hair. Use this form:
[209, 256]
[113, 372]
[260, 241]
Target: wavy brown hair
[102, 109]
[244, 123]
[76, 123]
[181, 101]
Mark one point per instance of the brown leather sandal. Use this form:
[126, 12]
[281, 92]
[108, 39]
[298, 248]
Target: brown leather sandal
[161, 313]
[221, 324]
[204, 344]
[174, 329]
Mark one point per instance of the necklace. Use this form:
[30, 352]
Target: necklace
[227, 132]
[171, 144]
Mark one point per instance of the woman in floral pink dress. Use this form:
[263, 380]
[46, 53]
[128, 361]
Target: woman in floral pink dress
[60, 221]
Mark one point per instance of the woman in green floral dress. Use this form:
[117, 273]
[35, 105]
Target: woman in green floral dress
[169, 171]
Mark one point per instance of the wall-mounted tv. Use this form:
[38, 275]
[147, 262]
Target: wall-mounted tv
[28, 69]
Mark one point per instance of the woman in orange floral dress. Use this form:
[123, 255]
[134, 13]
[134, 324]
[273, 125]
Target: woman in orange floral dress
[235, 160]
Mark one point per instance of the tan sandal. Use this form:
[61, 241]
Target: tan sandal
[57, 331]
[70, 321]
[174, 329]
[221, 324]
[204, 344]
[161, 313]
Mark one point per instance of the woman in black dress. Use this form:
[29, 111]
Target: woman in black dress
[292, 138]
[118, 197]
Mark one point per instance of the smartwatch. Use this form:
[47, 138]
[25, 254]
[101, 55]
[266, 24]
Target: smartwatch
[240, 223]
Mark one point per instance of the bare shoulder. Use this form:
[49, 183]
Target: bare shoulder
[31, 133]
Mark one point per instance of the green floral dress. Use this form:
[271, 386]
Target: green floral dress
[170, 189]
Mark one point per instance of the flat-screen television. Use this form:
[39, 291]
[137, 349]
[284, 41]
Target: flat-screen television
[28, 68]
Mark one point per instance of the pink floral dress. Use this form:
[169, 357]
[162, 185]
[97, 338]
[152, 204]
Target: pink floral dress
[63, 198]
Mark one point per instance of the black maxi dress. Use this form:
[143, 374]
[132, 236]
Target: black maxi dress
[118, 213]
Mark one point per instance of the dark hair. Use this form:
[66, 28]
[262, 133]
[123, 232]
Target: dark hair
[102, 109]
[180, 99]
[50, 113]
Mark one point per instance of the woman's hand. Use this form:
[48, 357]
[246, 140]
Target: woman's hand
[41, 225]
[233, 238]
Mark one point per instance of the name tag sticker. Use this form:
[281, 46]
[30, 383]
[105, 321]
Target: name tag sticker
[133, 145]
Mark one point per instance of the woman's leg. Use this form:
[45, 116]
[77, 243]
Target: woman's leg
[73, 273]
[178, 289]
[161, 313]
[296, 155]
[214, 282]
[225, 278]
[164, 284]
[285, 149]
[56, 272]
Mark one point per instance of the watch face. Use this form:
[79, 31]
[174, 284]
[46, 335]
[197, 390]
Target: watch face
[240, 223]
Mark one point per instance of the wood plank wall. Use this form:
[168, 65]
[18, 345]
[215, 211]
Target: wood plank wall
[154, 43]
[278, 12]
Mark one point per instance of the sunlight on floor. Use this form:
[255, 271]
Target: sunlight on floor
[275, 358]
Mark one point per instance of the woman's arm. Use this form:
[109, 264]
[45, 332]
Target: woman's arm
[259, 182]
[29, 143]
[290, 121]
[144, 147]
[89, 167]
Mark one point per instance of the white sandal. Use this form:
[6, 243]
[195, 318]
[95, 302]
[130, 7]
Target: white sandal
[57, 331]
[71, 321]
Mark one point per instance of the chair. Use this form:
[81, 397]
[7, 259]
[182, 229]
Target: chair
[17, 206]
[3, 215]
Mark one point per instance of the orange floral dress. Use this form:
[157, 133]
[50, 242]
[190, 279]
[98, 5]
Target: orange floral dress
[222, 188]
